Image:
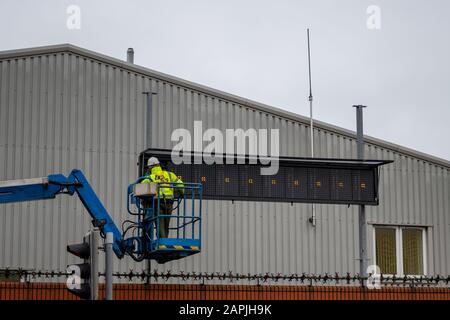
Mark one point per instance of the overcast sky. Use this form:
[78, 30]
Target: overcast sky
[257, 50]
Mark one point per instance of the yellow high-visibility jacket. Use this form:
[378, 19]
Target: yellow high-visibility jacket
[160, 176]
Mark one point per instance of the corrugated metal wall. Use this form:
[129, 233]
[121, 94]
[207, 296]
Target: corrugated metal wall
[64, 111]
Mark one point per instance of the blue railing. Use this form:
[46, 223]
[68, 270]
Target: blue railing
[186, 212]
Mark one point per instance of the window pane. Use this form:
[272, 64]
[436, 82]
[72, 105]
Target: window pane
[386, 250]
[412, 251]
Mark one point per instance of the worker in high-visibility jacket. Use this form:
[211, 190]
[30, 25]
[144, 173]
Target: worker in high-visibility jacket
[166, 191]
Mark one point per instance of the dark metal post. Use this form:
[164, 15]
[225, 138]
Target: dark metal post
[359, 132]
[148, 134]
[93, 238]
[109, 265]
[148, 122]
[362, 208]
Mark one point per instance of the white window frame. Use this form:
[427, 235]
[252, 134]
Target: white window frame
[399, 248]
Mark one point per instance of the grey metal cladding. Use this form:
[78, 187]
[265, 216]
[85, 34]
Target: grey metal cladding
[64, 107]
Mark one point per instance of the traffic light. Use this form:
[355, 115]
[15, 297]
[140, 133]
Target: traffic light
[83, 277]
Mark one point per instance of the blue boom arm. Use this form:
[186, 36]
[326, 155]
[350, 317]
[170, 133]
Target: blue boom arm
[49, 187]
[145, 241]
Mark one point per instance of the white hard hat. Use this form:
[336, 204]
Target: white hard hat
[152, 162]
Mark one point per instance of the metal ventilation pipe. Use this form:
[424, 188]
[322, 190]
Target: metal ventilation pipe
[130, 55]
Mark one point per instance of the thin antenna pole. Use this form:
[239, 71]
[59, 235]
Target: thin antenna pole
[310, 98]
[311, 124]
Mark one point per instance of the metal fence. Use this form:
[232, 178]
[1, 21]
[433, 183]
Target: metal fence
[51, 285]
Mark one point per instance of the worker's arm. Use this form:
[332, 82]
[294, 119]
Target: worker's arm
[147, 178]
[179, 184]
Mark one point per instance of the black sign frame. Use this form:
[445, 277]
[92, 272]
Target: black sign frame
[319, 180]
